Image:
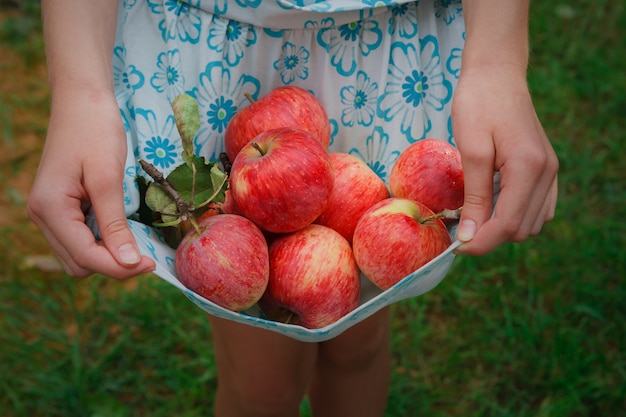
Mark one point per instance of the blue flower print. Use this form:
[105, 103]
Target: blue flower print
[169, 78]
[218, 98]
[180, 19]
[448, 9]
[314, 25]
[404, 18]
[377, 155]
[453, 65]
[346, 42]
[359, 101]
[416, 87]
[249, 3]
[334, 130]
[127, 78]
[454, 62]
[292, 63]
[160, 138]
[230, 38]
[130, 199]
[219, 7]
[160, 151]
[220, 112]
[450, 132]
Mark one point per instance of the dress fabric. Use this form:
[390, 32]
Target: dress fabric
[384, 70]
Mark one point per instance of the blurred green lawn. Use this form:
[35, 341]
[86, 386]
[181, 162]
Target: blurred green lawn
[533, 329]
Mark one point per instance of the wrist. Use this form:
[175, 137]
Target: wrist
[496, 34]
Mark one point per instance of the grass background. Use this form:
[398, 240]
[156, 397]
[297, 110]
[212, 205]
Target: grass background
[533, 329]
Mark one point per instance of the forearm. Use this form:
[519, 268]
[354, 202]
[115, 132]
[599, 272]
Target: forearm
[79, 38]
[496, 33]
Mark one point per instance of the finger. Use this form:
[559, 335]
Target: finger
[554, 195]
[547, 211]
[107, 197]
[69, 266]
[478, 192]
[81, 255]
[59, 215]
[524, 187]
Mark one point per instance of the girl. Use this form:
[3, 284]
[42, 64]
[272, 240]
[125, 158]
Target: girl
[388, 73]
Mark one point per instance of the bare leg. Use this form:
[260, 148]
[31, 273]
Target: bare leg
[352, 373]
[260, 373]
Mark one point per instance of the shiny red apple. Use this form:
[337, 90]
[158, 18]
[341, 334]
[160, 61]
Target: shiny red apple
[357, 188]
[225, 262]
[394, 238]
[429, 171]
[282, 180]
[286, 106]
[314, 279]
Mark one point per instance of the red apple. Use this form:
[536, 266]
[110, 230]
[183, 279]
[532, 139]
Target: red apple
[226, 263]
[286, 106]
[429, 171]
[314, 279]
[357, 188]
[282, 180]
[392, 240]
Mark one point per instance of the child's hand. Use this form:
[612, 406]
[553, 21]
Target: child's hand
[82, 166]
[496, 129]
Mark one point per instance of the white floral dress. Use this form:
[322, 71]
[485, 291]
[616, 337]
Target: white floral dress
[385, 70]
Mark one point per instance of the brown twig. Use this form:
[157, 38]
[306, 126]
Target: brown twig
[159, 178]
[447, 214]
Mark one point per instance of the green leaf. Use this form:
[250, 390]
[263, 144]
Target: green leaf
[144, 212]
[160, 201]
[187, 118]
[210, 186]
[219, 180]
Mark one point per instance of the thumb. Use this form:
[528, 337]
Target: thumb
[478, 192]
[108, 206]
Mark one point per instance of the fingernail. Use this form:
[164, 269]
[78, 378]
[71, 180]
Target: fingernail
[128, 254]
[465, 231]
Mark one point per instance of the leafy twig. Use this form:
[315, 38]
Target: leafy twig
[159, 178]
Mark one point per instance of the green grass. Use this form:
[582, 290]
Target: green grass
[534, 329]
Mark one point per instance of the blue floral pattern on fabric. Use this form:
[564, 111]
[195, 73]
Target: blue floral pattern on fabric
[169, 78]
[359, 101]
[349, 41]
[292, 64]
[448, 10]
[377, 154]
[126, 78]
[404, 21]
[411, 93]
[231, 38]
[160, 138]
[180, 19]
[219, 97]
[453, 64]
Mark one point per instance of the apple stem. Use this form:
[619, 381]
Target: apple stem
[258, 148]
[444, 214]
[159, 178]
[249, 97]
